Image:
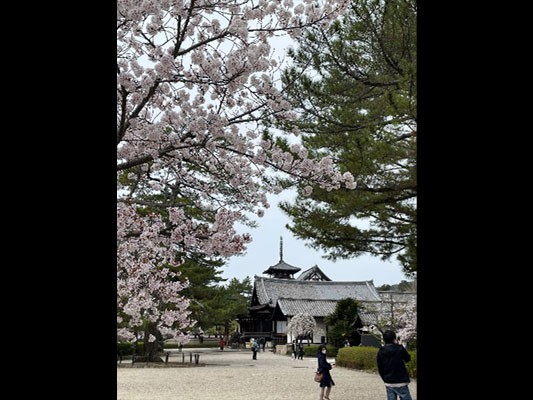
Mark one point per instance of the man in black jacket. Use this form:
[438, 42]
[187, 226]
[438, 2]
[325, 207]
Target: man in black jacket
[391, 367]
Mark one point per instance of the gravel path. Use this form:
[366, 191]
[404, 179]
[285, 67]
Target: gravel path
[233, 375]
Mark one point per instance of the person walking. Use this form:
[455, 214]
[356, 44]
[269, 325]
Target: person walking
[324, 367]
[255, 348]
[300, 351]
[391, 359]
[293, 355]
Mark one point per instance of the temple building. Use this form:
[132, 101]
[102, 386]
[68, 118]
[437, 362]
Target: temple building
[277, 298]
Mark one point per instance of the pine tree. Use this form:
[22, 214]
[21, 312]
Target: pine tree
[354, 87]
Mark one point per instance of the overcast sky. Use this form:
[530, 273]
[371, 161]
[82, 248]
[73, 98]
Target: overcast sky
[264, 252]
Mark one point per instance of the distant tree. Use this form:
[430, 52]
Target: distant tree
[407, 286]
[341, 331]
[341, 322]
[345, 310]
[403, 286]
[354, 86]
[203, 277]
[301, 325]
[230, 301]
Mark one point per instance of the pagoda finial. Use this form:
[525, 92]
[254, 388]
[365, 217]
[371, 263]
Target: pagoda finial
[281, 248]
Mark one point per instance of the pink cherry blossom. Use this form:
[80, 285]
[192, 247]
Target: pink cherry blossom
[196, 86]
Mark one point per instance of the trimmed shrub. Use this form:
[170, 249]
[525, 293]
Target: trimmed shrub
[365, 358]
[411, 365]
[310, 351]
[358, 358]
[126, 348]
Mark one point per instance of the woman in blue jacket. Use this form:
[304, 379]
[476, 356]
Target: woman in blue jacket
[324, 367]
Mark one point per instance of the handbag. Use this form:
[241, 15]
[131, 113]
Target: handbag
[318, 376]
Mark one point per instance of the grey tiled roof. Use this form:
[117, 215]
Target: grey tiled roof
[397, 297]
[268, 290]
[368, 317]
[282, 266]
[323, 308]
[317, 308]
[304, 276]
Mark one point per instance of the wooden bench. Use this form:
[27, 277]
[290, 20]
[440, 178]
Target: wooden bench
[192, 355]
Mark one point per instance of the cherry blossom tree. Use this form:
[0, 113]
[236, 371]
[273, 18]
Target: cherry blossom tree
[401, 317]
[407, 322]
[301, 325]
[197, 91]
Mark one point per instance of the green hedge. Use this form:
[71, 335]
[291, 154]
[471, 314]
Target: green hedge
[358, 358]
[411, 365]
[126, 348]
[365, 358]
[310, 351]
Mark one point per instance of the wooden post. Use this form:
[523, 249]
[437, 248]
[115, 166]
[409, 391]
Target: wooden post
[134, 348]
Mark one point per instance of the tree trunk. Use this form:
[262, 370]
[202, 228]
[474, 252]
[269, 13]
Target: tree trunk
[151, 349]
[226, 332]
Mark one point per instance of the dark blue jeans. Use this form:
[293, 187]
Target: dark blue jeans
[402, 393]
